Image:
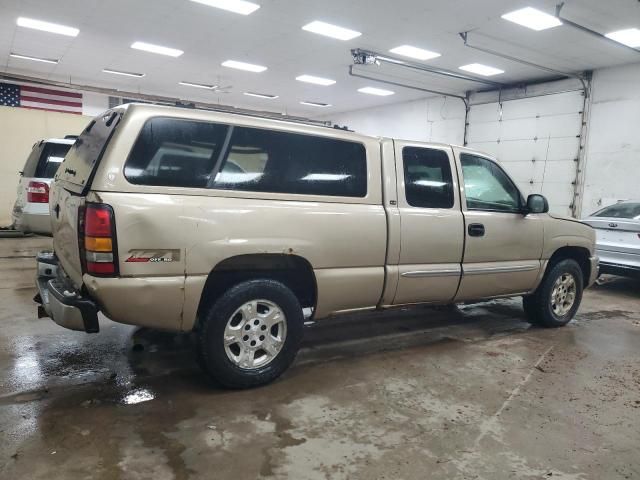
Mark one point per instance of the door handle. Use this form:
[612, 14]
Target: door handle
[476, 230]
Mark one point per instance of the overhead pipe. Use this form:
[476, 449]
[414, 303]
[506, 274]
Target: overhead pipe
[577, 26]
[368, 57]
[404, 85]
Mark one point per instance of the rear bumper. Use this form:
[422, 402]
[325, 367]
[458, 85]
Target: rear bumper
[60, 301]
[28, 222]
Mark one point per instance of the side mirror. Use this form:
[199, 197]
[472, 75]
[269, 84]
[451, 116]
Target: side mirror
[537, 204]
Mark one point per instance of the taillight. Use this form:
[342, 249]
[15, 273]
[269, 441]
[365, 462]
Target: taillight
[99, 240]
[37, 192]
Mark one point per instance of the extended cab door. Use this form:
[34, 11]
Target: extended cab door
[431, 223]
[503, 246]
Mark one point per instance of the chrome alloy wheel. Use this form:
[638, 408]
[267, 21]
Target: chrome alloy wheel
[563, 294]
[255, 334]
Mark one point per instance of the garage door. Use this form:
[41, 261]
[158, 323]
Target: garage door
[537, 140]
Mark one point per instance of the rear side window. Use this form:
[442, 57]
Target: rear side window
[427, 178]
[185, 153]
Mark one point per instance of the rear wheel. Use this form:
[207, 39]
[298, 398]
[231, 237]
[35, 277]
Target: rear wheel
[558, 296]
[251, 334]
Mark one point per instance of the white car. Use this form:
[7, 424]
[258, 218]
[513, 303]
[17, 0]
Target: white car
[31, 210]
[618, 238]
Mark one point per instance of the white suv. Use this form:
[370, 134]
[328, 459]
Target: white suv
[31, 210]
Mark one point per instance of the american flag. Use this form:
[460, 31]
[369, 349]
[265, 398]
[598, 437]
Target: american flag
[40, 98]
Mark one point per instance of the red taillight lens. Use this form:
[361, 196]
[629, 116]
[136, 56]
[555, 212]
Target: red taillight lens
[98, 240]
[37, 192]
[97, 221]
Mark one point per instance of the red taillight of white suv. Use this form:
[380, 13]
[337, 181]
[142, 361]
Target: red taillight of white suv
[37, 192]
[98, 236]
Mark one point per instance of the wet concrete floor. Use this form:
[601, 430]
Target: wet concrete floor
[452, 393]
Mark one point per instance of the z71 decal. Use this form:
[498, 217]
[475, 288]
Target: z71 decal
[153, 256]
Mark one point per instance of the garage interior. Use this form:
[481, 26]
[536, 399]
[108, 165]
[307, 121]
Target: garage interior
[470, 391]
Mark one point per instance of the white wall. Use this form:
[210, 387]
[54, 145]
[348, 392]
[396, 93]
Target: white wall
[613, 144]
[434, 119]
[93, 104]
[20, 128]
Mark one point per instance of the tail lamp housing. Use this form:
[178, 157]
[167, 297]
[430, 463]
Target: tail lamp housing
[37, 192]
[97, 240]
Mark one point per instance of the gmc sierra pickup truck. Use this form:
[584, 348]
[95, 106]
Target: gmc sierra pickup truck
[231, 226]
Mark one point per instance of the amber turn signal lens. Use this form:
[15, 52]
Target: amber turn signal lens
[95, 244]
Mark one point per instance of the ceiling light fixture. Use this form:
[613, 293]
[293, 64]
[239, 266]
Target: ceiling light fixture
[414, 52]
[532, 18]
[149, 47]
[236, 6]
[315, 80]
[629, 37]
[329, 30]
[480, 69]
[34, 59]
[376, 91]
[198, 85]
[316, 104]
[120, 72]
[261, 95]
[47, 27]
[249, 67]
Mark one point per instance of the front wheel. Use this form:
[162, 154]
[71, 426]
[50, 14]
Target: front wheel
[251, 334]
[558, 296]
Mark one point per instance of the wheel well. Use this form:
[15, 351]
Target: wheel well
[293, 271]
[579, 254]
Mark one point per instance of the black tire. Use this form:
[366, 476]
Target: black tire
[538, 306]
[211, 350]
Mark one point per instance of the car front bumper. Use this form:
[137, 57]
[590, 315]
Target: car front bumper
[619, 262]
[60, 300]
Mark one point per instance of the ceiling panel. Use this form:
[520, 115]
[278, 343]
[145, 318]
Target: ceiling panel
[272, 36]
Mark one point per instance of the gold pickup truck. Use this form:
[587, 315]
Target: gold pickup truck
[232, 226]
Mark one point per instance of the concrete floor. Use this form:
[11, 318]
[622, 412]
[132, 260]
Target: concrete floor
[472, 392]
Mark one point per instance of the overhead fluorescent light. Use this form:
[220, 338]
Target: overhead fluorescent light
[198, 85]
[236, 6]
[333, 31]
[120, 72]
[47, 27]
[480, 69]
[315, 80]
[414, 52]
[34, 59]
[629, 37]
[316, 104]
[249, 67]
[381, 92]
[261, 95]
[532, 18]
[149, 47]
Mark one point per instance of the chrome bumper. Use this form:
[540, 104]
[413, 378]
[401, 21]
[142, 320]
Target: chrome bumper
[59, 299]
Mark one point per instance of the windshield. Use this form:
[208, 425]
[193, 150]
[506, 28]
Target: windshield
[620, 210]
